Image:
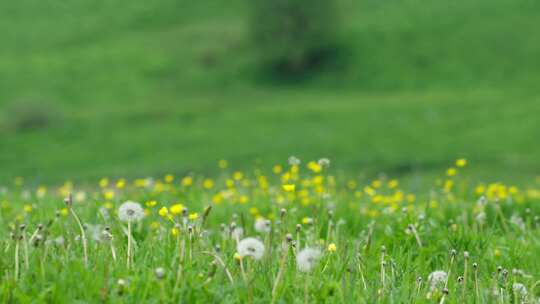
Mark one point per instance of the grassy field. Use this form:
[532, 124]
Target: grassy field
[131, 89]
[296, 234]
[165, 104]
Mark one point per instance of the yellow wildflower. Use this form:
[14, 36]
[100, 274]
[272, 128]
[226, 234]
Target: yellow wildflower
[217, 198]
[187, 181]
[208, 183]
[238, 175]
[393, 184]
[108, 194]
[277, 169]
[332, 247]
[223, 164]
[243, 199]
[104, 182]
[64, 211]
[28, 208]
[121, 183]
[289, 187]
[314, 167]
[169, 178]
[163, 211]
[460, 163]
[177, 209]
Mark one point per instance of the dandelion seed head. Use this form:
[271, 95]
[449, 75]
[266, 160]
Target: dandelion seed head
[250, 247]
[293, 161]
[520, 289]
[130, 212]
[307, 259]
[263, 225]
[437, 279]
[237, 233]
[159, 273]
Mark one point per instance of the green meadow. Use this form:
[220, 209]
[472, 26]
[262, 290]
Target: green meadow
[130, 88]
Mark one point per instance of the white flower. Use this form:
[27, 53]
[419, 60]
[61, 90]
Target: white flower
[94, 231]
[324, 162]
[307, 258]
[518, 221]
[482, 201]
[59, 241]
[159, 273]
[481, 218]
[519, 289]
[104, 213]
[80, 196]
[237, 233]
[293, 161]
[130, 212]
[250, 247]
[437, 279]
[262, 225]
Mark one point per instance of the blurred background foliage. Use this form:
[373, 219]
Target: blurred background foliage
[131, 87]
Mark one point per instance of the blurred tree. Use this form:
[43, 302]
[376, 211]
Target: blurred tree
[295, 36]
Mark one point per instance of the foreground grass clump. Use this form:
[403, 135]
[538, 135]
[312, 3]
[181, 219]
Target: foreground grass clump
[295, 235]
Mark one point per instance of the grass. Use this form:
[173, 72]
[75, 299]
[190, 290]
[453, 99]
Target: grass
[377, 240]
[131, 89]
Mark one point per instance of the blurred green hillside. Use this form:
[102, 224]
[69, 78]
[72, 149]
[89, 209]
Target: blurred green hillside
[126, 88]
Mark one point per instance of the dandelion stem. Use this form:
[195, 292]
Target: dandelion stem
[280, 272]
[416, 236]
[369, 237]
[362, 276]
[17, 259]
[25, 248]
[129, 246]
[452, 256]
[476, 285]
[383, 283]
[306, 290]
[501, 215]
[69, 202]
[464, 292]
[113, 252]
[190, 255]
[220, 261]
[246, 281]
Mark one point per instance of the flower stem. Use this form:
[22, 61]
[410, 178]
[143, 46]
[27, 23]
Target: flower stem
[280, 272]
[17, 260]
[129, 246]
[83, 235]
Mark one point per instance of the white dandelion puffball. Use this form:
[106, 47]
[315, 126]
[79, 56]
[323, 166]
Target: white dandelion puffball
[130, 212]
[293, 161]
[250, 247]
[481, 218]
[324, 162]
[437, 279]
[237, 233]
[262, 225]
[307, 258]
[519, 289]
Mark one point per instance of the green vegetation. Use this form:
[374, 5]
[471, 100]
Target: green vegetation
[135, 88]
[370, 241]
